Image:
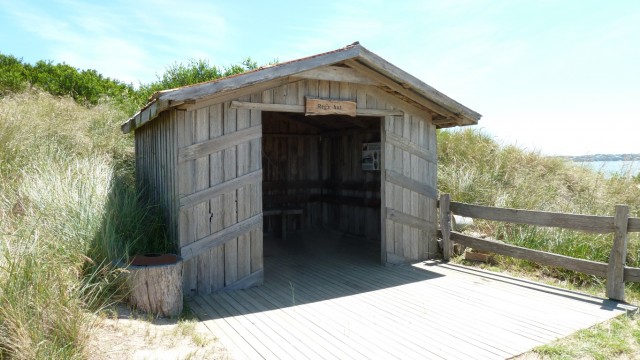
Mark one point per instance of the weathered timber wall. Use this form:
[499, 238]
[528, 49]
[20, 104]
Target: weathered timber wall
[410, 187]
[222, 260]
[156, 154]
[204, 166]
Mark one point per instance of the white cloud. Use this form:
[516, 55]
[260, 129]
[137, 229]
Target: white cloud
[124, 40]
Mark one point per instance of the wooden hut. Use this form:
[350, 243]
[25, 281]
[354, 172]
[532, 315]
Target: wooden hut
[342, 140]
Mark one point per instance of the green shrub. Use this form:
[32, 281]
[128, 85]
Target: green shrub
[85, 86]
[193, 72]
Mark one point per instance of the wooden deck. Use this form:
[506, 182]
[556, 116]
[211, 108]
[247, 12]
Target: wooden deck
[336, 302]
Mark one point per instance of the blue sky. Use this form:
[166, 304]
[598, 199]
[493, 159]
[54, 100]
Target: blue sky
[559, 77]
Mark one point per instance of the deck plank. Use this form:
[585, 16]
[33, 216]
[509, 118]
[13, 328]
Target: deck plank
[412, 312]
[401, 321]
[334, 302]
[354, 315]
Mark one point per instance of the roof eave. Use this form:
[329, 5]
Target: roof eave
[460, 115]
[262, 75]
[406, 80]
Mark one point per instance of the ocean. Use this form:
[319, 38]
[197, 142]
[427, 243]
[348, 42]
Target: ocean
[613, 167]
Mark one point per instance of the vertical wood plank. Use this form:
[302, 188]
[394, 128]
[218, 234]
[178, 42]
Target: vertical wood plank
[172, 193]
[406, 194]
[314, 168]
[323, 92]
[216, 255]
[334, 90]
[202, 211]
[617, 259]
[350, 154]
[256, 190]
[187, 225]
[415, 199]
[390, 188]
[323, 88]
[230, 199]
[425, 238]
[431, 176]
[398, 201]
[302, 91]
[243, 158]
[445, 227]
[383, 190]
[267, 162]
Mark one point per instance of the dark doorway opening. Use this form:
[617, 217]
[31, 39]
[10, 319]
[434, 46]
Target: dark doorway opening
[321, 175]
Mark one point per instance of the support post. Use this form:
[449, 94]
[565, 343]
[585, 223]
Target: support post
[445, 226]
[615, 272]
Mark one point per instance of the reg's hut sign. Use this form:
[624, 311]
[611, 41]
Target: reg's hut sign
[315, 106]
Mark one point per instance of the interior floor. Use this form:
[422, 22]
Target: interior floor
[311, 244]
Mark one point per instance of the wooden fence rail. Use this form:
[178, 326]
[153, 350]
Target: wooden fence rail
[620, 225]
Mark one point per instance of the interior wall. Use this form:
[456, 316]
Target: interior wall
[291, 172]
[351, 196]
[314, 164]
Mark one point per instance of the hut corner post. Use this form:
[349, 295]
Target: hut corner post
[615, 271]
[445, 226]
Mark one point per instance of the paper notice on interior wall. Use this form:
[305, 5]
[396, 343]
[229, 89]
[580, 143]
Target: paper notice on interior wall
[371, 156]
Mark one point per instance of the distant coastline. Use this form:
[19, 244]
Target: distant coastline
[603, 157]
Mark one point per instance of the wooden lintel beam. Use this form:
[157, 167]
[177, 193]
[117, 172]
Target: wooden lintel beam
[267, 107]
[301, 109]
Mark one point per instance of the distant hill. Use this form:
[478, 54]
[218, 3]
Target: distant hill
[604, 157]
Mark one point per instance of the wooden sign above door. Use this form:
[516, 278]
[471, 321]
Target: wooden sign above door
[316, 106]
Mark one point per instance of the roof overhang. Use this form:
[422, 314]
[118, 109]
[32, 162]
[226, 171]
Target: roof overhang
[389, 78]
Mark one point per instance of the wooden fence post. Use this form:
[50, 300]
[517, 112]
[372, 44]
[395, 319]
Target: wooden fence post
[445, 226]
[615, 272]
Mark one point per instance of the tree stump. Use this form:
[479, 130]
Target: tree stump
[155, 282]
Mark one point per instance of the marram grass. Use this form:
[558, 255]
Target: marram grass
[475, 169]
[67, 209]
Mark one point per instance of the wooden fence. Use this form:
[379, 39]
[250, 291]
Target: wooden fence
[620, 225]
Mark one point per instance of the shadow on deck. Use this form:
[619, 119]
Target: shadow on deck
[319, 266]
[327, 298]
